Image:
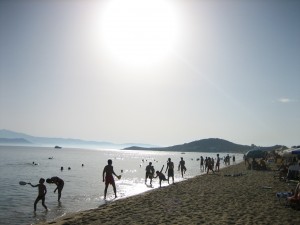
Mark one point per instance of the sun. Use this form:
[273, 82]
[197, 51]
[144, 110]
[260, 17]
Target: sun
[139, 32]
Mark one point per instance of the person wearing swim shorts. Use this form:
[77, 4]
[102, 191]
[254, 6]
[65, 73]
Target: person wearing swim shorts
[59, 185]
[170, 168]
[149, 173]
[108, 178]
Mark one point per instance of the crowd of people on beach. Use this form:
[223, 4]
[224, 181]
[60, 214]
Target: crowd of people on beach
[206, 165]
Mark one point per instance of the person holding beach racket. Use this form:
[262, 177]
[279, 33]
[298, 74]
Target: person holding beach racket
[42, 192]
[108, 171]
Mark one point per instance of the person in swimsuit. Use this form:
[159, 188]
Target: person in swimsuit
[170, 168]
[181, 166]
[42, 193]
[161, 176]
[108, 178]
[218, 163]
[59, 185]
[201, 163]
[149, 172]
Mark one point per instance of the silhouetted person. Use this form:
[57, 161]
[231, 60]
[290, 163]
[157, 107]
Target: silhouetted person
[108, 171]
[181, 166]
[149, 172]
[205, 163]
[42, 193]
[59, 185]
[161, 176]
[209, 165]
[201, 163]
[170, 168]
[218, 163]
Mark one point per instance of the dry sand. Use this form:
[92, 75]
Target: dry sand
[208, 199]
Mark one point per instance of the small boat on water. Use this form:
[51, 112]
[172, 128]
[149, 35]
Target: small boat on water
[57, 147]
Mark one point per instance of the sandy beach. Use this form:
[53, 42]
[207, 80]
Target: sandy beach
[208, 199]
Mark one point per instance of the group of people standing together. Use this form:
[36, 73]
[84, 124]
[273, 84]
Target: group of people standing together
[209, 163]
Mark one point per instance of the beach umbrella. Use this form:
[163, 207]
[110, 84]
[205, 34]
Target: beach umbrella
[255, 153]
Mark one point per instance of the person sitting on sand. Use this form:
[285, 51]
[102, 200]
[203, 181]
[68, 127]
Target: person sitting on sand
[170, 168]
[108, 171]
[161, 176]
[42, 193]
[262, 164]
[149, 172]
[296, 197]
[59, 185]
[181, 166]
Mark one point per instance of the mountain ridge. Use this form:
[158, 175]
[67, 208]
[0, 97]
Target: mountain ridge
[203, 145]
[64, 142]
[208, 145]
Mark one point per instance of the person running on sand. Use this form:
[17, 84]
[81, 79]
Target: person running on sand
[42, 193]
[181, 166]
[149, 172]
[59, 185]
[170, 168]
[161, 176]
[108, 171]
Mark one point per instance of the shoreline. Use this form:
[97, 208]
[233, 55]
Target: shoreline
[247, 198]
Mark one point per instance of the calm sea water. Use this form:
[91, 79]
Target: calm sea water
[83, 185]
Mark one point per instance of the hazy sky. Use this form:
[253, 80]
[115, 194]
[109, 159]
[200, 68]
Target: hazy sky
[157, 72]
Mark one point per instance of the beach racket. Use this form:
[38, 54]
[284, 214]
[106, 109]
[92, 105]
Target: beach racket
[22, 183]
[119, 177]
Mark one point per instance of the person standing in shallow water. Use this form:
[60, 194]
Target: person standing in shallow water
[170, 168]
[42, 193]
[181, 166]
[108, 178]
[59, 185]
[149, 173]
[201, 163]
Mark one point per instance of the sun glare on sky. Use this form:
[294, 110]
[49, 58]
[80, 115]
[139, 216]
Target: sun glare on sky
[139, 32]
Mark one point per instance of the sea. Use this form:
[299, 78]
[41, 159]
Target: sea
[81, 169]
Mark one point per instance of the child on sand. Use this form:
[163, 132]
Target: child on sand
[161, 176]
[109, 179]
[42, 193]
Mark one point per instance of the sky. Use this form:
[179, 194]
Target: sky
[161, 72]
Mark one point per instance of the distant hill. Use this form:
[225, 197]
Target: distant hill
[64, 142]
[206, 145]
[12, 141]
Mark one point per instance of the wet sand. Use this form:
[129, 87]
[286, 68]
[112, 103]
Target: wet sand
[208, 199]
